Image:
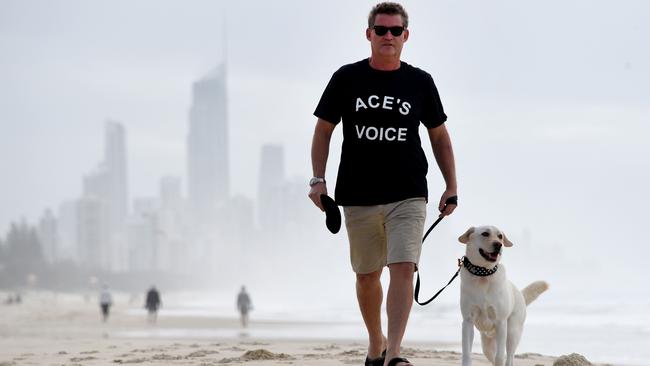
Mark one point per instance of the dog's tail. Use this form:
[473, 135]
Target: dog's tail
[532, 291]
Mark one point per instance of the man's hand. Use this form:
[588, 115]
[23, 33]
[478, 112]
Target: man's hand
[447, 209]
[315, 192]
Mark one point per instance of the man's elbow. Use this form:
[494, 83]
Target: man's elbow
[439, 135]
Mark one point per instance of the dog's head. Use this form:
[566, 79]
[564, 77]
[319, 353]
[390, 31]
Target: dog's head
[484, 245]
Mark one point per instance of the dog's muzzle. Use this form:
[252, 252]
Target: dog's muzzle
[490, 256]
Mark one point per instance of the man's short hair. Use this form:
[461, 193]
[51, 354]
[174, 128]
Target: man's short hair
[390, 9]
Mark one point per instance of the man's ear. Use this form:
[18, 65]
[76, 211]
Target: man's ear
[368, 33]
[506, 242]
[465, 237]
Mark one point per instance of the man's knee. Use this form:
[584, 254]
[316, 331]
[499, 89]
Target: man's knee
[403, 270]
[368, 279]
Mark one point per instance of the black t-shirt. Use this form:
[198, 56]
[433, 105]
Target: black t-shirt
[381, 158]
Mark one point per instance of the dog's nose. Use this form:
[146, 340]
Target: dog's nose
[497, 246]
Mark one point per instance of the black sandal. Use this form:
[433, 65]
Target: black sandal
[377, 361]
[397, 360]
[332, 213]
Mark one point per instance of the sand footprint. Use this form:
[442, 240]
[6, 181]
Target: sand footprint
[80, 359]
[165, 357]
[330, 347]
[133, 360]
[200, 353]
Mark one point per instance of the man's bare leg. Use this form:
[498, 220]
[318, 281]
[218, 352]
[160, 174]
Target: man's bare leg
[398, 306]
[370, 296]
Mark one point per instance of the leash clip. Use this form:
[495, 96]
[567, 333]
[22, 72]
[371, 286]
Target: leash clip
[460, 261]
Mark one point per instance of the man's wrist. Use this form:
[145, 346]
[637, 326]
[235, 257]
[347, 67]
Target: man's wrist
[316, 180]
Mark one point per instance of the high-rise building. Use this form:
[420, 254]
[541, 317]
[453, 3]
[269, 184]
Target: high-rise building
[143, 235]
[93, 233]
[299, 213]
[172, 253]
[48, 237]
[116, 168]
[95, 184]
[67, 231]
[170, 193]
[271, 184]
[104, 206]
[207, 147]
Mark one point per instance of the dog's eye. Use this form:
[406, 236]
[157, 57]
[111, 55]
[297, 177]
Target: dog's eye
[500, 236]
[485, 233]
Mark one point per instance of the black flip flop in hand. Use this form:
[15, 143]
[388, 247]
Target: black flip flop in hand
[332, 213]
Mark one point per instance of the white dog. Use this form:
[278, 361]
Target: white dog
[488, 300]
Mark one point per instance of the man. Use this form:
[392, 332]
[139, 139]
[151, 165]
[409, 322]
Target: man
[105, 302]
[152, 303]
[244, 305]
[381, 181]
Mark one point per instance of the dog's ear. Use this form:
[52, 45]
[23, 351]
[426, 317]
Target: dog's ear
[506, 242]
[465, 237]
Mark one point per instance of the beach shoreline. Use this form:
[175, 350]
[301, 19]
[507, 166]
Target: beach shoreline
[68, 331]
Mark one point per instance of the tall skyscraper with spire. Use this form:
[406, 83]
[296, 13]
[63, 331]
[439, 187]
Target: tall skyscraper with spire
[207, 147]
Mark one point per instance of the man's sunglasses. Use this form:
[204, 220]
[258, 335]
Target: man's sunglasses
[381, 30]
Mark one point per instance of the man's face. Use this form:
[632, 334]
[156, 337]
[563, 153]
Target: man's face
[387, 45]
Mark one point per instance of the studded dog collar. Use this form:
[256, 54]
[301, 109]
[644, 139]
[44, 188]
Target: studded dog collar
[478, 271]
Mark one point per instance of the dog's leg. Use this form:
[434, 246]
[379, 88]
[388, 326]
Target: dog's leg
[515, 328]
[489, 347]
[501, 335]
[468, 339]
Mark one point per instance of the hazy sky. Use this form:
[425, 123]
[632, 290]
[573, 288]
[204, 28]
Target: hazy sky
[547, 101]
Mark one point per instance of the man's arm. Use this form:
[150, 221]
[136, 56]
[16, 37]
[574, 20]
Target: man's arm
[320, 148]
[444, 154]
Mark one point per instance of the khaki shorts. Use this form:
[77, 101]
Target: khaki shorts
[385, 234]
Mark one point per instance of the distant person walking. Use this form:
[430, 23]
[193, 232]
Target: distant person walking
[9, 300]
[105, 302]
[244, 305]
[152, 304]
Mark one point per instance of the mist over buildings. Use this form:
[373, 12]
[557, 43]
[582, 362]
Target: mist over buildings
[201, 232]
[179, 133]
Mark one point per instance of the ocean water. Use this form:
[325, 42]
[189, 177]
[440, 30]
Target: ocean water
[613, 329]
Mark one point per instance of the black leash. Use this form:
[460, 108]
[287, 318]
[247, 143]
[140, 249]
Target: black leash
[453, 200]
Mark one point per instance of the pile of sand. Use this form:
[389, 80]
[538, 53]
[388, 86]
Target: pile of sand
[573, 359]
[262, 354]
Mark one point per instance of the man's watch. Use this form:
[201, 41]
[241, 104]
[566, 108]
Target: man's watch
[315, 180]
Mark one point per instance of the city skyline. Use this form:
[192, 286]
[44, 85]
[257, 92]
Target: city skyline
[172, 230]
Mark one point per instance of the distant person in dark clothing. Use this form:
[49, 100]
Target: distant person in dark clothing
[152, 304]
[9, 300]
[244, 305]
[105, 302]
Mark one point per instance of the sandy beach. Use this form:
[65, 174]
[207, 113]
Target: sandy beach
[67, 330]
